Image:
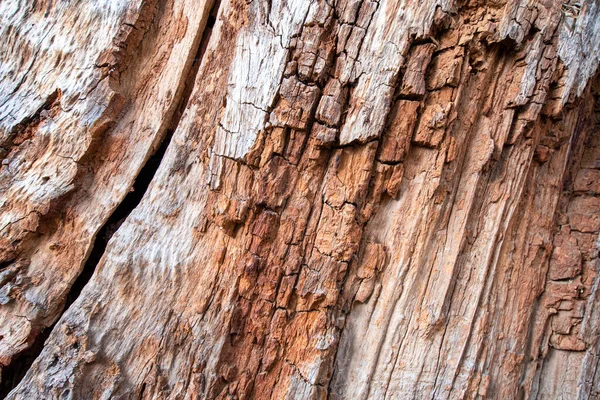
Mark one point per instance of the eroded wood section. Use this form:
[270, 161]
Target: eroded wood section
[362, 199]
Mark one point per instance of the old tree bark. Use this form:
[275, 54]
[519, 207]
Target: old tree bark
[304, 199]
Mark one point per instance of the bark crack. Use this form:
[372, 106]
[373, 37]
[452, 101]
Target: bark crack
[15, 372]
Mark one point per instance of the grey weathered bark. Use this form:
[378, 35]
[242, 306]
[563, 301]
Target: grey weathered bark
[358, 199]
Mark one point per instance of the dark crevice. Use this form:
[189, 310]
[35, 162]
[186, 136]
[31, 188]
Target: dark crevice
[4, 265]
[133, 198]
[14, 373]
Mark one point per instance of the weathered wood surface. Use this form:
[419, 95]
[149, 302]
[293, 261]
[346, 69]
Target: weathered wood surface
[362, 199]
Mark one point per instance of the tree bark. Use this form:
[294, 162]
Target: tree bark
[346, 199]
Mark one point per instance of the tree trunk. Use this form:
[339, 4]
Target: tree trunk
[343, 199]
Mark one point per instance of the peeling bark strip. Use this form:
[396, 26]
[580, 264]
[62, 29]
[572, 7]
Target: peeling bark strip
[357, 199]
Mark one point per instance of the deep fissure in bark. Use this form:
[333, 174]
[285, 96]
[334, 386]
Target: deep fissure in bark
[14, 373]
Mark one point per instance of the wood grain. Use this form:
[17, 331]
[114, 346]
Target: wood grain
[360, 199]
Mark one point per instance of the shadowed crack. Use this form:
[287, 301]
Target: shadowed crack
[14, 373]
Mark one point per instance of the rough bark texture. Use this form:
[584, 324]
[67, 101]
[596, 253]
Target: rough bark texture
[358, 199]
